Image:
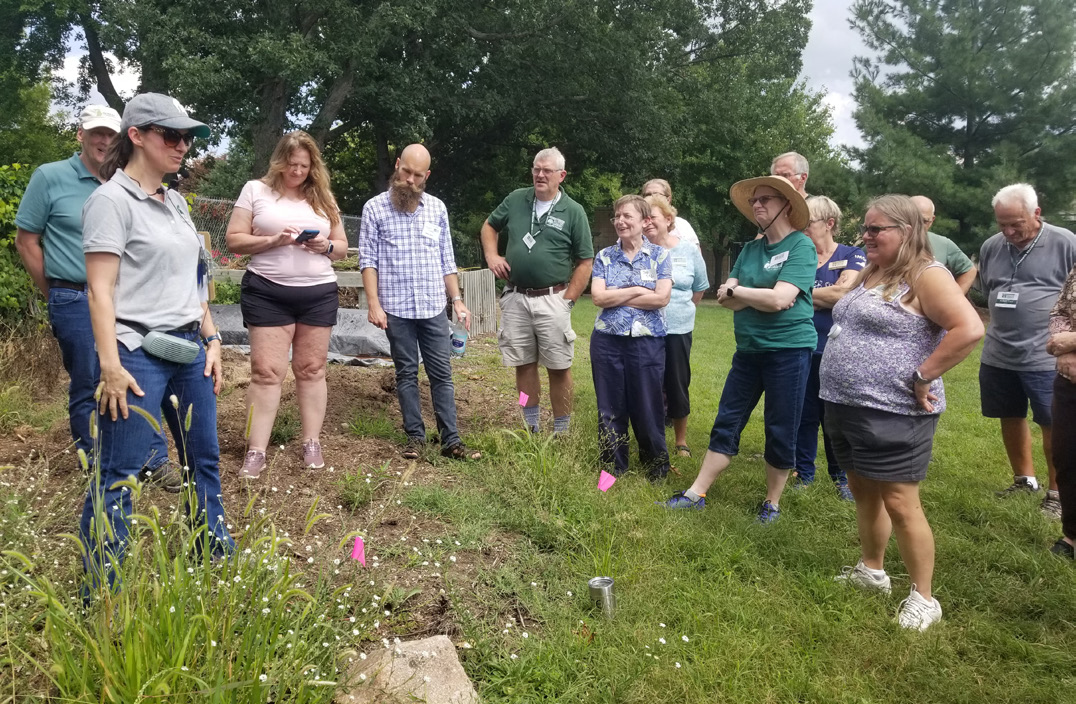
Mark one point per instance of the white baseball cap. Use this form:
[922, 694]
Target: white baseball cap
[99, 116]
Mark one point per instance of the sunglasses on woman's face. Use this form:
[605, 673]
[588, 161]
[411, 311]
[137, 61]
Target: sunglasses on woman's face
[172, 137]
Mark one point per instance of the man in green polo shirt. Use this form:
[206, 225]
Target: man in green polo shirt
[945, 250]
[49, 241]
[547, 257]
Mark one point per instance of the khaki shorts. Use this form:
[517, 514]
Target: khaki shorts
[536, 329]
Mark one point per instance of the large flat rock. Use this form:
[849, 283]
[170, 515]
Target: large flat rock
[352, 336]
[416, 671]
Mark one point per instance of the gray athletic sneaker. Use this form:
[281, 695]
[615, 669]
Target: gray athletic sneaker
[1051, 505]
[861, 577]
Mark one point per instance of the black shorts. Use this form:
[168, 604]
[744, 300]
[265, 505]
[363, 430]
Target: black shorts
[269, 305]
[886, 447]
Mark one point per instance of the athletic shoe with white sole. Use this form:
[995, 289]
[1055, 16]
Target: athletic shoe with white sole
[918, 613]
[862, 577]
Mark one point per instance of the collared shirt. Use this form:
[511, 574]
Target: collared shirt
[157, 285]
[1016, 336]
[412, 253]
[651, 264]
[52, 208]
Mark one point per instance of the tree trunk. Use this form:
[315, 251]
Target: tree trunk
[385, 164]
[97, 64]
[341, 89]
[267, 131]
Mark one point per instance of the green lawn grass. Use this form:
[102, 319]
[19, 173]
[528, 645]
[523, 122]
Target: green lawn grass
[711, 606]
[750, 613]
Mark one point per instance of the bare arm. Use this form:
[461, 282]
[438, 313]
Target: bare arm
[697, 296]
[604, 297]
[102, 268]
[578, 282]
[1061, 343]
[965, 280]
[452, 288]
[320, 245]
[944, 304]
[28, 245]
[730, 302]
[656, 299]
[825, 297]
[212, 350]
[376, 314]
[768, 300]
[496, 263]
[241, 239]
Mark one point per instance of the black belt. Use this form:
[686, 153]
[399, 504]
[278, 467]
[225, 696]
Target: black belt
[143, 330]
[535, 292]
[60, 283]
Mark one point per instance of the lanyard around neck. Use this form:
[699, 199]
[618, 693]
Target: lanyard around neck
[1018, 262]
[535, 223]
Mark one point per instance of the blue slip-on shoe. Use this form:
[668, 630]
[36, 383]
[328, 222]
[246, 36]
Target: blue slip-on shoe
[845, 493]
[768, 513]
[678, 500]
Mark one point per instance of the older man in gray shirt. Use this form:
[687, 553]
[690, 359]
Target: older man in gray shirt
[1023, 268]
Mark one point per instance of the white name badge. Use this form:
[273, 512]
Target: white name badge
[679, 261]
[528, 239]
[838, 265]
[777, 260]
[431, 231]
[646, 275]
[1006, 299]
[555, 223]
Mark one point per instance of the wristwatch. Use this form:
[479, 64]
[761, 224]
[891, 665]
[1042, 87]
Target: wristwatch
[214, 336]
[329, 251]
[729, 291]
[455, 298]
[571, 304]
[920, 379]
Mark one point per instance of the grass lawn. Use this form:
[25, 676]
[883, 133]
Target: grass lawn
[711, 606]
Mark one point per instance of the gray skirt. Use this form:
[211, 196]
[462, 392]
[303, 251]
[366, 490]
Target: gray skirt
[887, 447]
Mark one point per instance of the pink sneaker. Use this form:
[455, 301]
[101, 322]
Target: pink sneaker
[253, 464]
[312, 454]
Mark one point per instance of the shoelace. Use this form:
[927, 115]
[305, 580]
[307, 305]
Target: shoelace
[917, 608]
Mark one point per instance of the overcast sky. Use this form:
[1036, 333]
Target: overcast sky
[827, 64]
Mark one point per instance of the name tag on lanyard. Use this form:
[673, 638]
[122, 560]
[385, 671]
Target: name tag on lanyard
[1006, 299]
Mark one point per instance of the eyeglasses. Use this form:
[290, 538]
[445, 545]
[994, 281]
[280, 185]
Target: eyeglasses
[545, 172]
[765, 200]
[171, 137]
[875, 230]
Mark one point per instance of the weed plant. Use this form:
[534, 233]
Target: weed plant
[286, 426]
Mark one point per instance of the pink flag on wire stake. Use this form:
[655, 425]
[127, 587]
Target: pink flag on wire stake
[606, 480]
[359, 551]
[523, 398]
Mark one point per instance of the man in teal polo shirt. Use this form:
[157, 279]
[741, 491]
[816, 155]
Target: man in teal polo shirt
[548, 255]
[945, 250]
[49, 241]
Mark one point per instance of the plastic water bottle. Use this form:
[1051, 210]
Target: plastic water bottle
[459, 336]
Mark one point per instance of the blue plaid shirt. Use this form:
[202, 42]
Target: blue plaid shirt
[412, 253]
[651, 264]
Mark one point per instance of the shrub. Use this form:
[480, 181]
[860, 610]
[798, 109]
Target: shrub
[16, 288]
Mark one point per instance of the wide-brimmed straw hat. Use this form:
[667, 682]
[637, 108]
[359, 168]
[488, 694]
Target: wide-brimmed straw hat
[798, 214]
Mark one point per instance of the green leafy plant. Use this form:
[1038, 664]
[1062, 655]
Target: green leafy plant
[16, 288]
[286, 427]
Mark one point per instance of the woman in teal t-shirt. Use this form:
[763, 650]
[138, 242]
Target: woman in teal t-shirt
[769, 289]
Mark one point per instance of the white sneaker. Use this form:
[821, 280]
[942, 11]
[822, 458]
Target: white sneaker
[861, 576]
[918, 613]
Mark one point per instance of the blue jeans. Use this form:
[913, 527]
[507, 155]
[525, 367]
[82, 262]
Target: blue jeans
[123, 446]
[69, 315]
[629, 377]
[430, 335]
[814, 413]
[782, 375]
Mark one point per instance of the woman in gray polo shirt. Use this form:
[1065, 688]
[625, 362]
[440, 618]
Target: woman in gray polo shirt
[155, 337]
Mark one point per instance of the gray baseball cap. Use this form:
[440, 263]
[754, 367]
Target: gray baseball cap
[161, 110]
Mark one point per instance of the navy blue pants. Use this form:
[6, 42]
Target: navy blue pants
[629, 378]
[814, 414]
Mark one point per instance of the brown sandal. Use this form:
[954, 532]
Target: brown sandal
[683, 450]
[413, 449]
[459, 451]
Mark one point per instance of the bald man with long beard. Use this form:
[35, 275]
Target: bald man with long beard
[408, 270]
[945, 250]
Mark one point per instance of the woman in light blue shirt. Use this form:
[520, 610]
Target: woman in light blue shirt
[689, 283]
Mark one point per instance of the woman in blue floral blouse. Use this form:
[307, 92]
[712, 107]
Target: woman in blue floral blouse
[632, 283]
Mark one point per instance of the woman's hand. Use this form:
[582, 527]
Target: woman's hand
[213, 365]
[317, 245]
[112, 391]
[1061, 343]
[1066, 366]
[923, 397]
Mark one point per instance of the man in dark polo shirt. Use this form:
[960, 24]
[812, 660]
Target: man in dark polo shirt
[49, 241]
[1023, 269]
[548, 255]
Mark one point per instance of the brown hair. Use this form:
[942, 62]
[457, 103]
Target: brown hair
[659, 203]
[118, 155]
[641, 206]
[315, 189]
[914, 253]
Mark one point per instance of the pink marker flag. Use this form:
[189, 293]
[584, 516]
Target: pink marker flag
[523, 398]
[359, 551]
[606, 480]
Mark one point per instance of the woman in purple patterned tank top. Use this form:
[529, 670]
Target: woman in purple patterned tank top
[893, 336]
